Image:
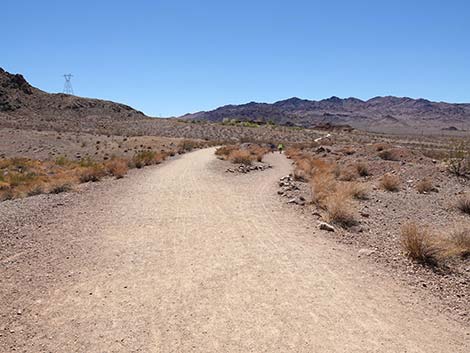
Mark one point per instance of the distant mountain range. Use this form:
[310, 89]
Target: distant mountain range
[376, 114]
[24, 106]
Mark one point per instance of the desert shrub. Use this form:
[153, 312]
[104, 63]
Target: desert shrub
[117, 168]
[356, 191]
[362, 169]
[463, 204]
[347, 174]
[459, 242]
[458, 162]
[87, 162]
[418, 244]
[187, 146]
[241, 157]
[323, 184]
[389, 155]
[380, 146]
[303, 168]
[93, 174]
[424, 185]
[258, 152]
[390, 182]
[224, 151]
[59, 185]
[62, 161]
[143, 158]
[340, 210]
[348, 151]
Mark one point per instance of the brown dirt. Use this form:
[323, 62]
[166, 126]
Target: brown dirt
[184, 257]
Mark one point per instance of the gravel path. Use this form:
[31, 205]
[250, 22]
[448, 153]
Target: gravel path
[185, 258]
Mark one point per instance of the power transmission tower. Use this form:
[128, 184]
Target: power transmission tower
[68, 84]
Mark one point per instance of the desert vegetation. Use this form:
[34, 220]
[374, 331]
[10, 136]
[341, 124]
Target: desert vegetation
[390, 196]
[21, 177]
[242, 154]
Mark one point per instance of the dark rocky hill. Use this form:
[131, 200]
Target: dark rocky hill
[376, 114]
[22, 105]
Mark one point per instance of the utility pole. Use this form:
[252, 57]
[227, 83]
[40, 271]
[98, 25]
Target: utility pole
[68, 84]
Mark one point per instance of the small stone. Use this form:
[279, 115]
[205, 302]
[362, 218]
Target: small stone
[326, 226]
[366, 252]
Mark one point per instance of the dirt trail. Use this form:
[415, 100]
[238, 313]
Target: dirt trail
[184, 258]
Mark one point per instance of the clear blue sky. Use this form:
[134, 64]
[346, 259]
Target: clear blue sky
[172, 57]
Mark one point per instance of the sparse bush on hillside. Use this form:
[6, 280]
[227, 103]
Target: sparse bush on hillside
[459, 243]
[340, 210]
[424, 185]
[419, 245]
[357, 191]
[389, 155]
[347, 174]
[458, 162]
[362, 169]
[94, 173]
[117, 167]
[463, 204]
[144, 158]
[187, 146]
[390, 182]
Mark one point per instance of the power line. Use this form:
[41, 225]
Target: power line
[68, 84]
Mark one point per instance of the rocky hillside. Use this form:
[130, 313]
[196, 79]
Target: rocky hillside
[377, 114]
[22, 105]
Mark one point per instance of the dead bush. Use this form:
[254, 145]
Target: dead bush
[117, 168]
[362, 169]
[463, 204]
[347, 174]
[418, 244]
[241, 157]
[356, 191]
[93, 174]
[323, 185]
[340, 210]
[143, 158]
[389, 155]
[390, 182]
[224, 151]
[425, 185]
[459, 243]
[187, 146]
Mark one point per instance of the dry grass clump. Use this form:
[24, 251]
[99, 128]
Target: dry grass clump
[463, 204]
[459, 243]
[356, 191]
[424, 186]
[390, 182]
[347, 174]
[224, 151]
[117, 168]
[93, 173]
[389, 155]
[146, 158]
[340, 210]
[419, 245]
[362, 169]
[323, 184]
[241, 157]
[187, 146]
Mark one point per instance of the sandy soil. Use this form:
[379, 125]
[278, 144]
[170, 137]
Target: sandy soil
[183, 257]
